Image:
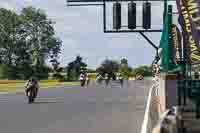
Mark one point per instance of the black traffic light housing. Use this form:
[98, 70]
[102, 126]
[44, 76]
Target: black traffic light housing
[146, 15]
[116, 15]
[132, 15]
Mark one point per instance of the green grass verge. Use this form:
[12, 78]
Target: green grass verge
[19, 86]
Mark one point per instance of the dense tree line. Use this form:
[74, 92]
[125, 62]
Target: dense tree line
[112, 67]
[27, 40]
[75, 67]
[108, 66]
[142, 70]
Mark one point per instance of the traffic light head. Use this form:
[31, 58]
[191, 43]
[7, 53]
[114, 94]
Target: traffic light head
[117, 15]
[131, 15]
[146, 15]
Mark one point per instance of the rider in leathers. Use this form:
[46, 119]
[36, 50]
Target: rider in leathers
[31, 83]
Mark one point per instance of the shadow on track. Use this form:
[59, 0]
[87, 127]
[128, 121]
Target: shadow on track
[47, 102]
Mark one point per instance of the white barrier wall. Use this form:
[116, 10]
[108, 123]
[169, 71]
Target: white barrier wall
[162, 96]
[152, 112]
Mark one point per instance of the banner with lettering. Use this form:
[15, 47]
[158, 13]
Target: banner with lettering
[193, 8]
[189, 11]
[176, 44]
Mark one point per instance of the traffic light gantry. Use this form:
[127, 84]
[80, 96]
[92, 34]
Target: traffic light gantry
[132, 25]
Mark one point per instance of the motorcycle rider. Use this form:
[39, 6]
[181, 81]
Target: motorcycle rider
[87, 79]
[30, 84]
[99, 78]
[120, 78]
[107, 79]
[82, 79]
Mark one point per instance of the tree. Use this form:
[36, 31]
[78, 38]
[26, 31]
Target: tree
[124, 69]
[142, 70]
[75, 67]
[108, 66]
[39, 34]
[10, 41]
[27, 40]
[57, 70]
[124, 61]
[9, 23]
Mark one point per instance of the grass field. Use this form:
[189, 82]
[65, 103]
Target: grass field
[17, 85]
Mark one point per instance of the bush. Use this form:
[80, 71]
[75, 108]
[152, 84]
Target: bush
[72, 75]
[8, 72]
[142, 70]
[125, 70]
[4, 71]
[59, 77]
[41, 72]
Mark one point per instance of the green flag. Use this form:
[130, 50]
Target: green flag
[164, 45]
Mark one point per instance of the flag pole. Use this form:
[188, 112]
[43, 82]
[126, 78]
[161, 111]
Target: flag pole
[165, 10]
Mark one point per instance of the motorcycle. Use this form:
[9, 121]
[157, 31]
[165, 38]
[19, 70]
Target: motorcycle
[99, 80]
[82, 82]
[32, 93]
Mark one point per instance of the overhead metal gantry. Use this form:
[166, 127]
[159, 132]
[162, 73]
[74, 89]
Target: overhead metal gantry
[103, 3]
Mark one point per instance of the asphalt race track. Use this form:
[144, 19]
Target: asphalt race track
[75, 109]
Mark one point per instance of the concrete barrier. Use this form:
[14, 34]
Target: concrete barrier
[154, 108]
[151, 116]
[158, 105]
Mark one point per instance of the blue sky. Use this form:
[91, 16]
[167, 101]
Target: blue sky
[81, 30]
